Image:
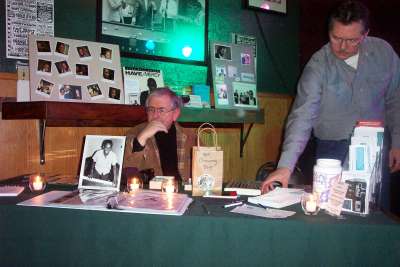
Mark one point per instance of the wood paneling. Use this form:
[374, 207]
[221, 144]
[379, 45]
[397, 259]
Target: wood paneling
[63, 145]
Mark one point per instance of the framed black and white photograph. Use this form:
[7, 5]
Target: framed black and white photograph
[168, 30]
[101, 164]
[222, 52]
[277, 6]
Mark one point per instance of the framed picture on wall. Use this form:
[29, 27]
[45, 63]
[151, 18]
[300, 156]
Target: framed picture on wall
[278, 6]
[168, 30]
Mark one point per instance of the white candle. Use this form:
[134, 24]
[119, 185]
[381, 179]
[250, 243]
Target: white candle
[169, 188]
[311, 205]
[134, 186]
[37, 183]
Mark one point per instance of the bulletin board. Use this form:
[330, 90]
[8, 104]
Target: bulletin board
[234, 76]
[74, 70]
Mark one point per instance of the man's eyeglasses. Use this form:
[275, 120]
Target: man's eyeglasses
[160, 111]
[351, 42]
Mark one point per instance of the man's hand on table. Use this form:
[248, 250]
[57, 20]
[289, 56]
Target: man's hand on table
[281, 175]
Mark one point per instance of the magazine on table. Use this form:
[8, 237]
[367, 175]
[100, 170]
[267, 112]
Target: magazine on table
[142, 201]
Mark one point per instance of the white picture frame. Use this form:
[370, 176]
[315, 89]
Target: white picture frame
[94, 172]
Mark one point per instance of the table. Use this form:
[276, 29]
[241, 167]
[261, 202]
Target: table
[40, 236]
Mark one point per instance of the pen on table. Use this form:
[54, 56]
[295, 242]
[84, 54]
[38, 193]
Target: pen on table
[205, 208]
[233, 204]
[262, 206]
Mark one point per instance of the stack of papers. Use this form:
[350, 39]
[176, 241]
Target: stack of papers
[11, 190]
[278, 198]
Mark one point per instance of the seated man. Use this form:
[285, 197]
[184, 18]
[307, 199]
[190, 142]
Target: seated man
[161, 144]
[104, 162]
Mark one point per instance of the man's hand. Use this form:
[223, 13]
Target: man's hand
[150, 130]
[394, 159]
[281, 175]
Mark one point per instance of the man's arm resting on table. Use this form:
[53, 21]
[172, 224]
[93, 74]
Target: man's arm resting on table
[281, 175]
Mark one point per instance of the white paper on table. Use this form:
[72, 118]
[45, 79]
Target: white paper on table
[336, 198]
[278, 198]
[261, 212]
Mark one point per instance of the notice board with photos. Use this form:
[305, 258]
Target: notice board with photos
[74, 70]
[234, 75]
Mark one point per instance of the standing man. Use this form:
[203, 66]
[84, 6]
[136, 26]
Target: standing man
[161, 144]
[353, 77]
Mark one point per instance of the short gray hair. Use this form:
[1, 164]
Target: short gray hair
[176, 100]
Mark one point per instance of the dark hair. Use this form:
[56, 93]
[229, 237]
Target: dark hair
[105, 142]
[151, 83]
[176, 101]
[348, 12]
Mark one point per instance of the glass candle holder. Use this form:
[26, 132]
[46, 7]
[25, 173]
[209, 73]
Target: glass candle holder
[37, 183]
[169, 186]
[133, 184]
[310, 204]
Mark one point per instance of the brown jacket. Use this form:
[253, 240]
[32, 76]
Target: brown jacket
[149, 157]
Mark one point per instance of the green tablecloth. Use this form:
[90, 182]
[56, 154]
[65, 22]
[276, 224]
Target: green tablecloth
[40, 236]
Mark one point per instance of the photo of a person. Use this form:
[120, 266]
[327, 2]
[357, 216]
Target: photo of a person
[62, 48]
[104, 165]
[44, 66]
[151, 86]
[83, 51]
[82, 70]
[68, 91]
[62, 67]
[114, 93]
[245, 59]
[126, 12]
[108, 74]
[44, 88]
[94, 90]
[43, 46]
[101, 162]
[106, 53]
[222, 52]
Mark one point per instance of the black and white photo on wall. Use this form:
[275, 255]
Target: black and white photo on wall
[169, 30]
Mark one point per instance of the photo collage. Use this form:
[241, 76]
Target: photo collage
[234, 76]
[73, 70]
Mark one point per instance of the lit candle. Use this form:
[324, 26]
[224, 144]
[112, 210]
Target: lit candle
[134, 184]
[37, 183]
[311, 204]
[169, 187]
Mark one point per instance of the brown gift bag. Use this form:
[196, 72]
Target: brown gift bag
[207, 165]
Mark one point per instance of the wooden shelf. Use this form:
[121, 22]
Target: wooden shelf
[66, 114]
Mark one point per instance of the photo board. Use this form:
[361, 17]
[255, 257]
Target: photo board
[234, 75]
[75, 71]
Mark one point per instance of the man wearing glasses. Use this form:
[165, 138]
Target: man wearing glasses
[353, 77]
[161, 144]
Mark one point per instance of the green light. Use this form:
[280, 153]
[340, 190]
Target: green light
[186, 51]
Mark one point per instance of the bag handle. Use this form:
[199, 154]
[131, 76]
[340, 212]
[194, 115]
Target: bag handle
[207, 126]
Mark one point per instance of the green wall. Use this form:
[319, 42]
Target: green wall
[76, 19]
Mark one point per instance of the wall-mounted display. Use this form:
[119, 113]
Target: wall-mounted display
[170, 30]
[234, 75]
[278, 6]
[73, 70]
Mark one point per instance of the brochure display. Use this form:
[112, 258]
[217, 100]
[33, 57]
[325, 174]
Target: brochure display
[139, 82]
[234, 75]
[74, 70]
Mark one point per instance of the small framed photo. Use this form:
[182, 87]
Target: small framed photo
[62, 48]
[114, 93]
[44, 66]
[43, 47]
[94, 91]
[101, 164]
[83, 52]
[108, 74]
[245, 59]
[63, 67]
[106, 54]
[44, 88]
[70, 92]
[222, 52]
[82, 70]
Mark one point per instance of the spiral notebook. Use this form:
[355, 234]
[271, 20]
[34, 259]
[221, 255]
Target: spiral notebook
[11, 190]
